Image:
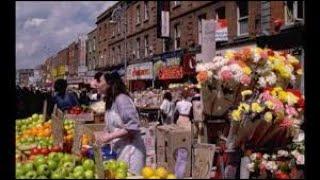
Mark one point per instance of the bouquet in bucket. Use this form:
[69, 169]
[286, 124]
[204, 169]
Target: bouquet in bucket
[272, 116]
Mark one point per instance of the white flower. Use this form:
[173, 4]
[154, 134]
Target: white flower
[210, 74]
[200, 67]
[273, 157]
[271, 78]
[262, 82]
[266, 156]
[299, 138]
[250, 166]
[300, 159]
[283, 153]
[295, 153]
[271, 166]
[253, 156]
[218, 62]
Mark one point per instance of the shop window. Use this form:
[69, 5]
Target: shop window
[294, 11]
[146, 10]
[94, 44]
[200, 18]
[177, 36]
[242, 14]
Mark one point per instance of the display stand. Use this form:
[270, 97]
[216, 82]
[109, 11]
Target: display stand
[44, 112]
[57, 126]
[202, 159]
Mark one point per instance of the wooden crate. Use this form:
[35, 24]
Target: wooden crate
[169, 139]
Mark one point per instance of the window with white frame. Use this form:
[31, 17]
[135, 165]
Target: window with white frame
[176, 3]
[146, 46]
[203, 16]
[294, 10]
[138, 15]
[177, 35]
[146, 10]
[138, 48]
[242, 14]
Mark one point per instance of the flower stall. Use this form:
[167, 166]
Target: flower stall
[253, 88]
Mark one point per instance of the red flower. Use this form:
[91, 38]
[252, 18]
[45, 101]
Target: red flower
[270, 52]
[281, 175]
[298, 94]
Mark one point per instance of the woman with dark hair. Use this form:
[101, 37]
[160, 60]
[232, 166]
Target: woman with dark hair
[122, 122]
[167, 109]
[63, 99]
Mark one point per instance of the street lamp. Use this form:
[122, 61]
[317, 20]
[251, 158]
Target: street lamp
[119, 14]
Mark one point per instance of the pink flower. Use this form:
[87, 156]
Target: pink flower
[245, 79]
[264, 55]
[286, 122]
[232, 62]
[291, 111]
[278, 105]
[266, 96]
[226, 75]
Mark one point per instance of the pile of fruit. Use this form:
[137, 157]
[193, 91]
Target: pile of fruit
[79, 110]
[56, 165]
[116, 169]
[24, 124]
[68, 126]
[158, 173]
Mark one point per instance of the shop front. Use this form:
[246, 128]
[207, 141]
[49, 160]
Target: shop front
[140, 76]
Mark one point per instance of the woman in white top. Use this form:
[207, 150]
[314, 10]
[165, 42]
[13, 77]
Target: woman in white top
[167, 109]
[184, 108]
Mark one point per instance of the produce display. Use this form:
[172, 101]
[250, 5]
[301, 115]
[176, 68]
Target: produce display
[158, 173]
[148, 98]
[116, 169]
[68, 130]
[79, 110]
[98, 107]
[56, 165]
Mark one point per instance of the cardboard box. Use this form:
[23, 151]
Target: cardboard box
[169, 139]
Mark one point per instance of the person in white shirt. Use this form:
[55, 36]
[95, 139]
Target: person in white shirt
[167, 109]
[184, 108]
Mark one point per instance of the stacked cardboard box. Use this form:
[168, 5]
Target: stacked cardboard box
[169, 139]
[149, 138]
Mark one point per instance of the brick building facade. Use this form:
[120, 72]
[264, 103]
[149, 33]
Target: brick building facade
[73, 59]
[92, 57]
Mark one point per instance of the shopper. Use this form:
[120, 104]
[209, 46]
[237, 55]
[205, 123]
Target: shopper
[123, 124]
[84, 99]
[63, 99]
[183, 109]
[167, 109]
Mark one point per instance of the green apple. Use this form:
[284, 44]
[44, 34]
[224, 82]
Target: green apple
[78, 168]
[19, 172]
[27, 167]
[42, 177]
[43, 170]
[78, 174]
[112, 165]
[52, 164]
[121, 175]
[67, 158]
[39, 160]
[56, 175]
[31, 175]
[60, 155]
[88, 174]
[88, 164]
[68, 166]
[123, 165]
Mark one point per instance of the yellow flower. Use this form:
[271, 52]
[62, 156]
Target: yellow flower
[279, 115]
[269, 104]
[299, 71]
[268, 116]
[246, 93]
[292, 99]
[229, 54]
[276, 91]
[236, 115]
[282, 96]
[247, 70]
[256, 107]
[293, 60]
[244, 107]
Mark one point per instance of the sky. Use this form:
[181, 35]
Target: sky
[44, 28]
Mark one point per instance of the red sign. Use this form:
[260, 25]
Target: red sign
[141, 72]
[173, 72]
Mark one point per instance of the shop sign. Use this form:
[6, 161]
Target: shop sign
[54, 72]
[140, 71]
[75, 80]
[221, 30]
[61, 70]
[173, 72]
